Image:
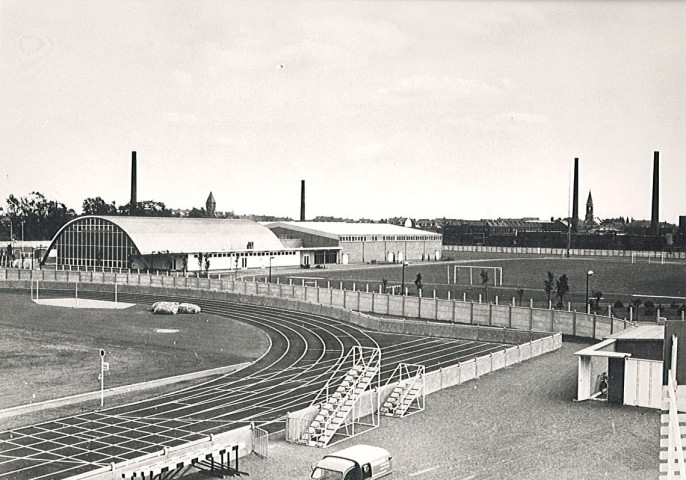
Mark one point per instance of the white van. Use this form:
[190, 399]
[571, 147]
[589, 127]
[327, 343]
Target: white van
[360, 462]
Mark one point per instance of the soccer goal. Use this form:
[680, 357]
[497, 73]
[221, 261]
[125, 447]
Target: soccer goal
[649, 257]
[460, 272]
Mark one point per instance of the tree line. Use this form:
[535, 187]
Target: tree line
[34, 217]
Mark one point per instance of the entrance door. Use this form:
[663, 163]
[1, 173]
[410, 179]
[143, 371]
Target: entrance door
[643, 383]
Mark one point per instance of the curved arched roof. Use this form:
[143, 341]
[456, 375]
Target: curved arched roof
[173, 234]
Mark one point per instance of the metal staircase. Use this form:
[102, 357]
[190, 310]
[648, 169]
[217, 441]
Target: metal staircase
[346, 411]
[408, 396]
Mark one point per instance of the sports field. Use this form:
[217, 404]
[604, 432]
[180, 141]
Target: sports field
[51, 352]
[617, 278]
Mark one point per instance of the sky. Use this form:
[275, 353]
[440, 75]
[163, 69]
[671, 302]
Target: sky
[386, 109]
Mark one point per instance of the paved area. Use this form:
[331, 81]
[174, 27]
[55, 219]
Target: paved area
[516, 423]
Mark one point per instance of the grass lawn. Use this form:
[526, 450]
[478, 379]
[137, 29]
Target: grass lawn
[50, 352]
[617, 279]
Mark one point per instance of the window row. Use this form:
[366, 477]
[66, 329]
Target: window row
[385, 238]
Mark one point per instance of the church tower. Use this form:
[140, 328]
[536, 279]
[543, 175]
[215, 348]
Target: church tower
[589, 221]
[210, 206]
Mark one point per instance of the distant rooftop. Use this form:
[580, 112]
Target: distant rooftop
[343, 228]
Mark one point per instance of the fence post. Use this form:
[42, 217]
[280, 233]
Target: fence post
[471, 312]
[594, 325]
[574, 324]
[490, 314]
[531, 317]
[435, 307]
[552, 320]
[509, 318]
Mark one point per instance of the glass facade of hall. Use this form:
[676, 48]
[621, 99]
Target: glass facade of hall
[94, 242]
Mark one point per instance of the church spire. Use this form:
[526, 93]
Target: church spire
[210, 206]
[589, 220]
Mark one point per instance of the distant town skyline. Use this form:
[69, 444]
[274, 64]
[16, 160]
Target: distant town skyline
[464, 110]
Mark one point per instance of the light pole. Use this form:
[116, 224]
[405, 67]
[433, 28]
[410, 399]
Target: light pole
[588, 275]
[403, 277]
[21, 254]
[270, 269]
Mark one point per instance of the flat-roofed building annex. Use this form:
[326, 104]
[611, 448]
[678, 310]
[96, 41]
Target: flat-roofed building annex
[361, 242]
[167, 243]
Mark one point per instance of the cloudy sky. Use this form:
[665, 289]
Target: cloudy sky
[419, 109]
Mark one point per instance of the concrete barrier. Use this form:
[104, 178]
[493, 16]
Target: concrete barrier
[498, 360]
[468, 370]
[512, 356]
[524, 352]
[483, 365]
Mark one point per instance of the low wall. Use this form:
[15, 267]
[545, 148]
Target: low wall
[151, 465]
[576, 252]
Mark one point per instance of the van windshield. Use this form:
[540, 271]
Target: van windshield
[325, 474]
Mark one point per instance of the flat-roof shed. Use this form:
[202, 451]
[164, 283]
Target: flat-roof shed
[363, 242]
[630, 363]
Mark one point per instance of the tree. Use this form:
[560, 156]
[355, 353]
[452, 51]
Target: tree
[418, 284]
[98, 206]
[635, 303]
[562, 287]
[147, 208]
[41, 218]
[597, 296]
[649, 307]
[550, 285]
[520, 295]
[200, 258]
[197, 213]
[484, 282]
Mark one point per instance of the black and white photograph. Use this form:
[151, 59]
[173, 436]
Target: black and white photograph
[342, 240]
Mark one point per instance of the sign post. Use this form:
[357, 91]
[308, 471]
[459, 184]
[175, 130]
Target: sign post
[102, 378]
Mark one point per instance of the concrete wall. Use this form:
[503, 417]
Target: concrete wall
[365, 252]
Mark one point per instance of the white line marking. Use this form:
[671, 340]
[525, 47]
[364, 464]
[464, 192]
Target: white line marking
[426, 470]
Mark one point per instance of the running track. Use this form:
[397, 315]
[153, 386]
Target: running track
[305, 350]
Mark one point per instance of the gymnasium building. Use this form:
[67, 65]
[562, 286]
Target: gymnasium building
[167, 243]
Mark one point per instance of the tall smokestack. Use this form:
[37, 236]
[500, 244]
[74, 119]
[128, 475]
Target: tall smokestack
[132, 204]
[575, 198]
[302, 200]
[654, 217]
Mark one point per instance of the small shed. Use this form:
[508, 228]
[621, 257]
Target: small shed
[631, 361]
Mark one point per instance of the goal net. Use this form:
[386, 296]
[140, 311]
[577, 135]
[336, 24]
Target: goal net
[472, 274]
[648, 257]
